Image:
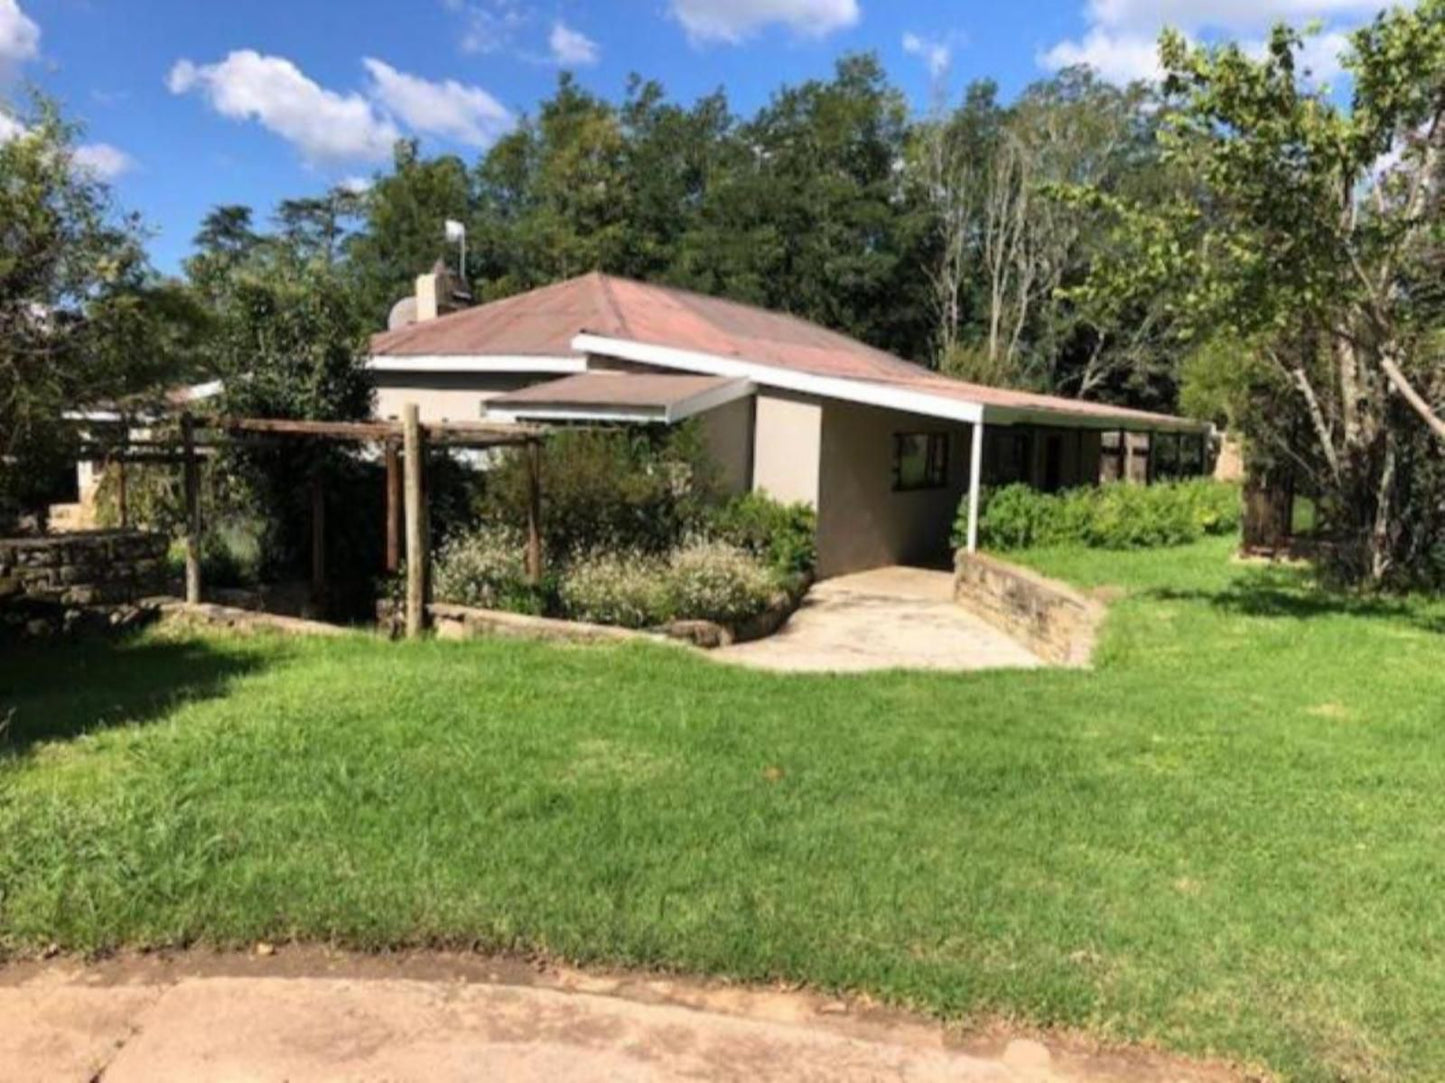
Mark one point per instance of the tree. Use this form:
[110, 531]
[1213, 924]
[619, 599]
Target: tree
[1313, 237]
[315, 227]
[809, 212]
[1009, 249]
[403, 233]
[82, 319]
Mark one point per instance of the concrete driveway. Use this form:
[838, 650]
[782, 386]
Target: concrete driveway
[888, 618]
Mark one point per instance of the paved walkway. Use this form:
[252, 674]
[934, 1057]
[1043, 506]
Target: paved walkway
[355, 1019]
[889, 618]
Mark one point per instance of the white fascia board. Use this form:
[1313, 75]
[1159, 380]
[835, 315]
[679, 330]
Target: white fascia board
[831, 387]
[477, 363]
[711, 399]
[1003, 415]
[630, 415]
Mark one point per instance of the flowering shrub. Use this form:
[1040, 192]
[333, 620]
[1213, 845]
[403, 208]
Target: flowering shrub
[712, 580]
[486, 569]
[700, 580]
[627, 589]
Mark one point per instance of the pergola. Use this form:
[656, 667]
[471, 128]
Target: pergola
[403, 445]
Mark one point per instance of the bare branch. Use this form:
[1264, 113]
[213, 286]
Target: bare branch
[1407, 391]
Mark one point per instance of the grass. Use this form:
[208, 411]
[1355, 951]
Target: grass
[1226, 840]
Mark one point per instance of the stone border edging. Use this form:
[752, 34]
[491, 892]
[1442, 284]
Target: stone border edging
[1051, 618]
[464, 622]
[174, 611]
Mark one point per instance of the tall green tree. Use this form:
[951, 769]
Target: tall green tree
[812, 216]
[1313, 238]
[83, 320]
[402, 234]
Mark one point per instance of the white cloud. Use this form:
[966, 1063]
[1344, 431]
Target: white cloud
[104, 161]
[1119, 58]
[467, 114]
[489, 26]
[1147, 16]
[732, 21]
[323, 125]
[19, 37]
[1122, 37]
[355, 185]
[101, 160]
[572, 48]
[936, 55]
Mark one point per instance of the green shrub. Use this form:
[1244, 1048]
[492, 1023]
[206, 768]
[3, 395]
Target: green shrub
[785, 536]
[1120, 515]
[486, 569]
[620, 490]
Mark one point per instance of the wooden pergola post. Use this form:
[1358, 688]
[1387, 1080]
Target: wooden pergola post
[394, 500]
[534, 512]
[192, 484]
[417, 555]
[122, 500]
[318, 543]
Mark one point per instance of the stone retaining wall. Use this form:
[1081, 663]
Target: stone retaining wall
[463, 622]
[1052, 619]
[109, 567]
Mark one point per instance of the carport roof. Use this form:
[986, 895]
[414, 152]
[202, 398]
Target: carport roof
[660, 326]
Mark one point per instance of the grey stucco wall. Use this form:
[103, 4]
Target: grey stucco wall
[728, 431]
[862, 522]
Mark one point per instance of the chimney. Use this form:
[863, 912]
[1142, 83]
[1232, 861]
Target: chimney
[438, 293]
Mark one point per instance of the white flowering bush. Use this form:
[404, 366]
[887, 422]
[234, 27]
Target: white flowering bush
[713, 580]
[701, 579]
[485, 568]
[627, 589]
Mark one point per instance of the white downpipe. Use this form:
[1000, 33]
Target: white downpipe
[975, 479]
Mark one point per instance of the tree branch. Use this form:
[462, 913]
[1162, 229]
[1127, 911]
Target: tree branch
[1407, 391]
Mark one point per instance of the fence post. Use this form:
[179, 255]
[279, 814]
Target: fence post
[416, 550]
[534, 512]
[193, 510]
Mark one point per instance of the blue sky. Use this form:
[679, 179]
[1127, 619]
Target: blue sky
[190, 104]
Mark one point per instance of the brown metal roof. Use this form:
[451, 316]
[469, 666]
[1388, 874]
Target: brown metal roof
[545, 321]
[639, 390]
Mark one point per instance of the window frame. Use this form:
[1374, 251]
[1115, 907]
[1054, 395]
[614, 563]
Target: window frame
[935, 461]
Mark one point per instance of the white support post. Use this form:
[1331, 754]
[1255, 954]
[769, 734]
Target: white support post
[975, 479]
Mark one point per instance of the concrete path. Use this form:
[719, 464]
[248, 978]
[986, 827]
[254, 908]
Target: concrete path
[889, 618]
[361, 1021]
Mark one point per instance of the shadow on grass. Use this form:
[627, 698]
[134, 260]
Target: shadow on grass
[54, 691]
[1289, 594]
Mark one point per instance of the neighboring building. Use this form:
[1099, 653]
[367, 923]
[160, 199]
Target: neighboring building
[885, 450]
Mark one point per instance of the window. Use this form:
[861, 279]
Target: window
[920, 461]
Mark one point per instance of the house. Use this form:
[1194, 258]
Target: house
[884, 449]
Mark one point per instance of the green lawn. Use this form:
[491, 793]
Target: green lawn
[1229, 838]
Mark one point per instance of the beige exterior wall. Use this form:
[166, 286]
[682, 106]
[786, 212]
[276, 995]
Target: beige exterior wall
[728, 431]
[862, 521]
[788, 447]
[444, 396]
